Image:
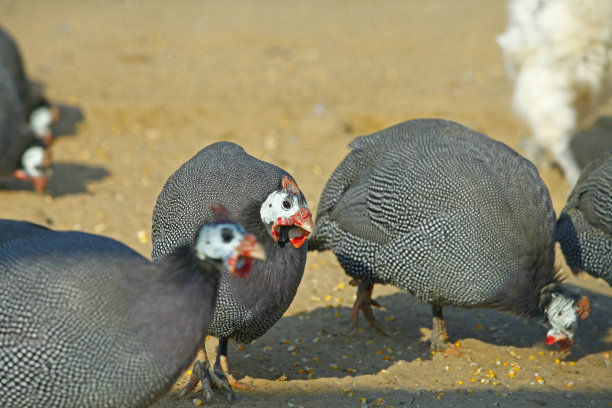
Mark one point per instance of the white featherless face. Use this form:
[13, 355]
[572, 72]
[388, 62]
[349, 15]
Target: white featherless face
[562, 315]
[279, 204]
[40, 121]
[219, 241]
[33, 160]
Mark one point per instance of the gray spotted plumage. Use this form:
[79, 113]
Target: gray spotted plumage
[224, 173]
[87, 322]
[444, 212]
[585, 226]
[15, 136]
[30, 94]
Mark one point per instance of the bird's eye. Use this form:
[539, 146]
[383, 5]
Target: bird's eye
[286, 204]
[227, 235]
[559, 314]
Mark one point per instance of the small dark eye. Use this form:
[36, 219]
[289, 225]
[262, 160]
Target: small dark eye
[227, 235]
[559, 314]
[286, 204]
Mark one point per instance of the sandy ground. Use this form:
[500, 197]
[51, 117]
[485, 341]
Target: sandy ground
[294, 82]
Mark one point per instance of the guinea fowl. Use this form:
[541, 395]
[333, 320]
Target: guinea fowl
[21, 154]
[37, 111]
[268, 202]
[584, 229]
[87, 322]
[451, 216]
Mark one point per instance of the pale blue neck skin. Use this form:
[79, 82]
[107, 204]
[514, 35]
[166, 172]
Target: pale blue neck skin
[40, 121]
[279, 204]
[218, 241]
[562, 316]
[32, 161]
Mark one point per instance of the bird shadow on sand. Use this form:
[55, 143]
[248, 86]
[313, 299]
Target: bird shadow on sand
[321, 341]
[590, 143]
[68, 178]
[68, 121]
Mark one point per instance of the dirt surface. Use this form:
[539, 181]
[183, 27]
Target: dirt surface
[293, 83]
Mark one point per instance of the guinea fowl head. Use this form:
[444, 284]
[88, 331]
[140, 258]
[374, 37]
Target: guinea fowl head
[36, 167]
[41, 119]
[229, 243]
[286, 214]
[564, 314]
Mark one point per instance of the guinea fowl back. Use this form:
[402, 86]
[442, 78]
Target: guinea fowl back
[222, 173]
[442, 194]
[13, 142]
[585, 225]
[143, 321]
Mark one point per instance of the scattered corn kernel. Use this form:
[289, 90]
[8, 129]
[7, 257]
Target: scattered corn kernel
[197, 402]
[539, 380]
[390, 318]
[291, 348]
[239, 348]
[569, 384]
[362, 400]
[606, 354]
[541, 353]
[572, 363]
[557, 361]
[495, 383]
[460, 382]
[336, 314]
[334, 366]
[532, 358]
[379, 399]
[470, 391]
[351, 370]
[328, 298]
[472, 379]
[315, 359]
[387, 358]
[189, 372]
[511, 373]
[302, 371]
[285, 341]
[341, 286]
[457, 344]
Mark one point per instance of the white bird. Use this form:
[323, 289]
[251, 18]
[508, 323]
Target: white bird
[559, 55]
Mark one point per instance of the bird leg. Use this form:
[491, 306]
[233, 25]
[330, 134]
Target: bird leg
[364, 302]
[203, 372]
[438, 339]
[221, 367]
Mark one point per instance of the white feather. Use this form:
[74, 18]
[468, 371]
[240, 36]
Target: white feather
[559, 53]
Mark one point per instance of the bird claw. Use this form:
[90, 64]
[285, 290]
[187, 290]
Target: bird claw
[203, 372]
[364, 302]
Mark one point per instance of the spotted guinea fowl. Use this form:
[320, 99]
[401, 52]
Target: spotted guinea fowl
[584, 228]
[37, 111]
[268, 202]
[87, 322]
[21, 155]
[451, 216]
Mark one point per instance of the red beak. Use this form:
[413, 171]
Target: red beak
[241, 262]
[302, 219]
